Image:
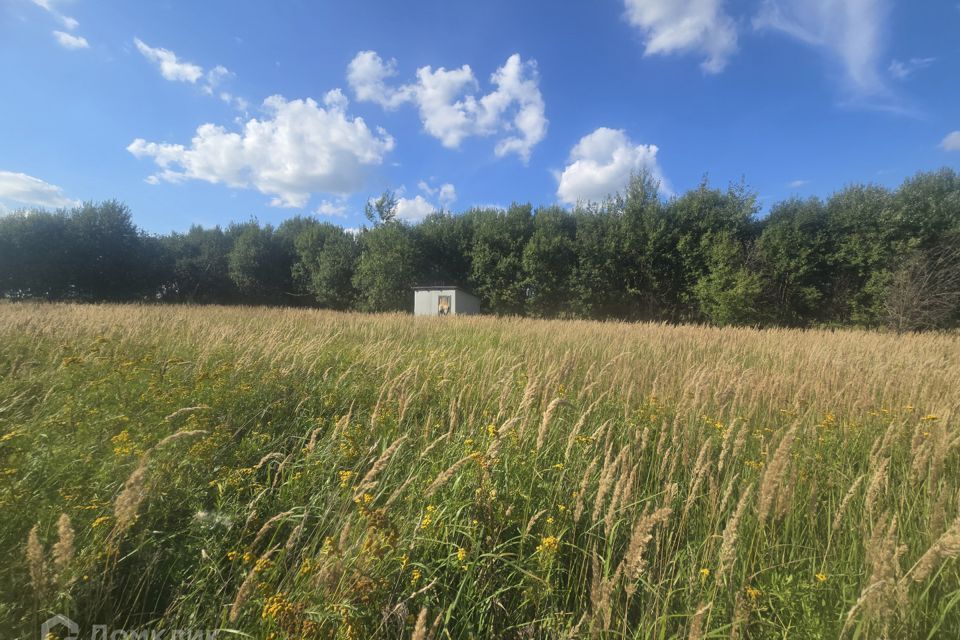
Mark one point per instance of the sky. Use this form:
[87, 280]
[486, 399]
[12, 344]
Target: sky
[218, 111]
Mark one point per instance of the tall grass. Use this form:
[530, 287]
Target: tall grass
[322, 475]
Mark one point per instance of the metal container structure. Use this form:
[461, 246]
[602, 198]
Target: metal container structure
[444, 301]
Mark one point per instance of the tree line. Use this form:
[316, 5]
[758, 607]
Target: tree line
[865, 256]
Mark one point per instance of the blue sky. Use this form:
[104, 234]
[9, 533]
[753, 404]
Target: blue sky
[211, 112]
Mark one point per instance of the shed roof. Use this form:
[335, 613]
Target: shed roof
[441, 287]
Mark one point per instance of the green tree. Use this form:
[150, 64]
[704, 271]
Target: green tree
[386, 269]
[260, 264]
[496, 269]
[651, 266]
[200, 266]
[443, 244]
[36, 255]
[108, 254]
[597, 281]
[326, 259]
[700, 219]
[549, 258]
[862, 226]
[383, 209]
[793, 250]
[730, 292]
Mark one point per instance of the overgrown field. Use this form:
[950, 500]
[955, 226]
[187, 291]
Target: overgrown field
[303, 474]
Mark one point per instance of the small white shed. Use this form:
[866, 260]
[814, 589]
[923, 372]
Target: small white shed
[444, 301]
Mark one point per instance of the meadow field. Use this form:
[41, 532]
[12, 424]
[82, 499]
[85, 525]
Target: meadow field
[306, 474]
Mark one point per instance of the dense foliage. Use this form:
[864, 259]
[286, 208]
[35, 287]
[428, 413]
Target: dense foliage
[865, 256]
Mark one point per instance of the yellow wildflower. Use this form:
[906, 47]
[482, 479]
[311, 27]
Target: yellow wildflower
[704, 573]
[345, 477]
[821, 577]
[276, 606]
[427, 519]
[121, 444]
[548, 545]
[305, 567]
[327, 546]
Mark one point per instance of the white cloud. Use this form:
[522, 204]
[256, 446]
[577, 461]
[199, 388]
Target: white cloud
[301, 148]
[678, 26]
[215, 76]
[64, 39]
[171, 67]
[849, 31]
[366, 75]
[448, 108]
[418, 207]
[951, 142]
[334, 209]
[240, 104]
[48, 5]
[601, 164]
[70, 41]
[176, 70]
[446, 193]
[901, 70]
[21, 189]
[414, 209]
[797, 184]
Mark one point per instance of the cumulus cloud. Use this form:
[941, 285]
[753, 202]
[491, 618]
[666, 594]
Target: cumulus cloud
[901, 70]
[23, 190]
[419, 206]
[367, 74]
[601, 163]
[333, 209]
[449, 109]
[300, 148]
[851, 32]
[951, 142]
[171, 67]
[70, 41]
[446, 193]
[414, 209]
[680, 26]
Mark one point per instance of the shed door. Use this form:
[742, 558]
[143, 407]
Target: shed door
[443, 306]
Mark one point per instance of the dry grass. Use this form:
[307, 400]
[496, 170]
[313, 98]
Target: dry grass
[316, 474]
